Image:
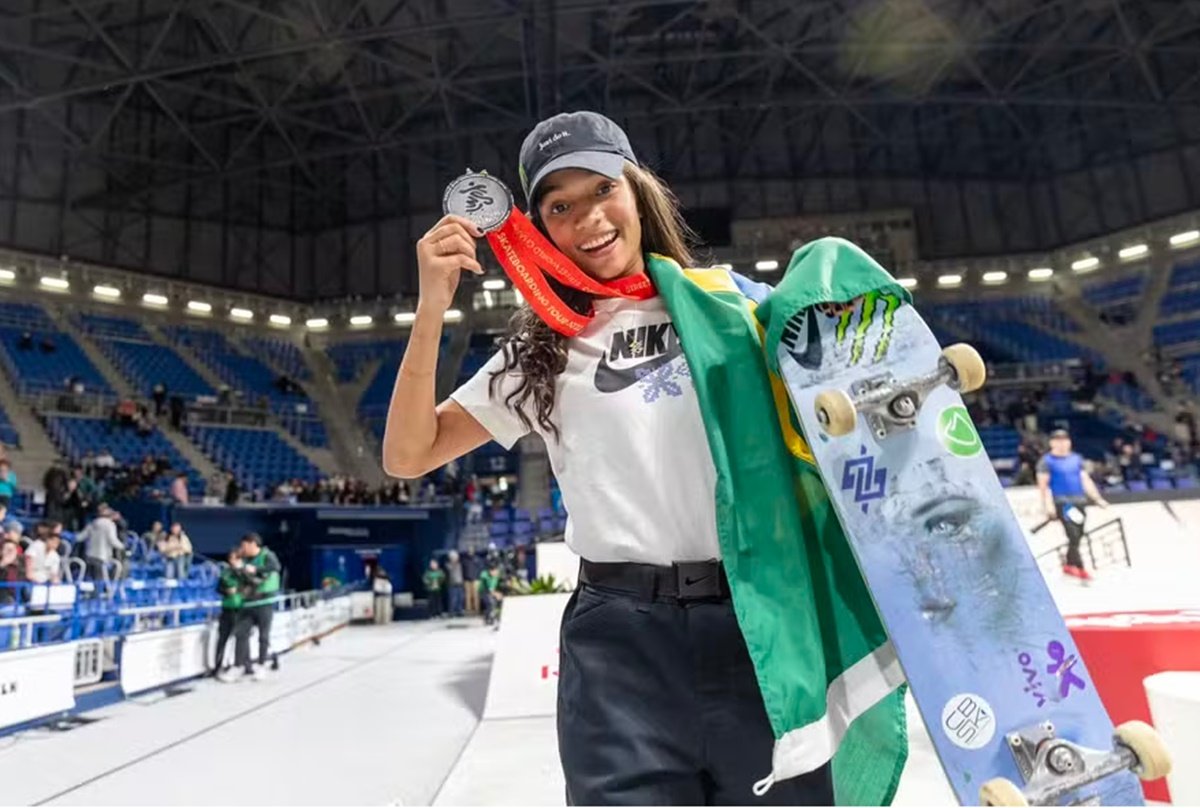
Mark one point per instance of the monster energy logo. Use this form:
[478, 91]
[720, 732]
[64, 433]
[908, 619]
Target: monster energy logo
[885, 305]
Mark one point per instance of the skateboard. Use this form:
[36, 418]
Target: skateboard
[1008, 702]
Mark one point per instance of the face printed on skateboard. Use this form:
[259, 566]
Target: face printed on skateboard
[951, 543]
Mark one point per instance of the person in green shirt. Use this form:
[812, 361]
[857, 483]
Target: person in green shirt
[489, 591]
[229, 588]
[435, 582]
[259, 577]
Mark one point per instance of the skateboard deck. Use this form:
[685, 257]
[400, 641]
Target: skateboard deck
[981, 641]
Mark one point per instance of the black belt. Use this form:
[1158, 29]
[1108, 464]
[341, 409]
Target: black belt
[682, 581]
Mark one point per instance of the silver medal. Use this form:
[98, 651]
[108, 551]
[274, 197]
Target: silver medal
[480, 197]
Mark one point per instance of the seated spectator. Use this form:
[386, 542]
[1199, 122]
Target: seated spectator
[155, 536]
[16, 531]
[43, 564]
[8, 483]
[47, 344]
[12, 570]
[179, 488]
[26, 341]
[177, 549]
[105, 459]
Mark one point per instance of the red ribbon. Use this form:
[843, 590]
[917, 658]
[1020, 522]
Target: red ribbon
[527, 257]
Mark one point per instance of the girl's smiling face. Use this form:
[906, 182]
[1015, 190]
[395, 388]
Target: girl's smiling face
[594, 221]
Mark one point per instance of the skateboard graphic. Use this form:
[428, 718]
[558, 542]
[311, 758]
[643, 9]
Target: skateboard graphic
[1006, 698]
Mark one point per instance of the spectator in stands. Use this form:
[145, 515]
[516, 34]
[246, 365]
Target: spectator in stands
[43, 564]
[454, 584]
[101, 542]
[12, 570]
[16, 531]
[434, 580]
[81, 498]
[229, 586]
[26, 341]
[1066, 488]
[177, 411]
[54, 483]
[259, 575]
[47, 344]
[105, 460]
[8, 483]
[177, 550]
[381, 585]
[159, 394]
[233, 492]
[144, 422]
[179, 488]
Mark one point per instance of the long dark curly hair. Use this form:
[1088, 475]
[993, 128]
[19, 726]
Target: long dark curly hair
[536, 352]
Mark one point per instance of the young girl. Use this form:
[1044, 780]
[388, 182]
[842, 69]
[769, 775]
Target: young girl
[658, 701]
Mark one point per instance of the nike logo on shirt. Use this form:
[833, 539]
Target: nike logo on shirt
[656, 343]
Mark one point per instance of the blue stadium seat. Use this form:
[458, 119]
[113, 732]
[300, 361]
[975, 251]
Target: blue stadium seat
[257, 457]
[145, 364]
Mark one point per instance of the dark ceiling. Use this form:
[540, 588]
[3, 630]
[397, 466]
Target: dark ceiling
[303, 116]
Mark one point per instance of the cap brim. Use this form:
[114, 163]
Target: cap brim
[609, 164]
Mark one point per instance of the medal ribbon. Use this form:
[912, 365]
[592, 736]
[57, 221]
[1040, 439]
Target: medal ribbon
[527, 257]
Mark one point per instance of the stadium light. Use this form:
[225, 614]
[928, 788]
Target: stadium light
[361, 319]
[317, 322]
[949, 280]
[60, 284]
[494, 285]
[1041, 274]
[155, 299]
[998, 276]
[769, 265]
[452, 316]
[199, 307]
[1185, 238]
[1133, 251]
[111, 292]
[280, 319]
[8, 274]
[908, 283]
[1086, 264]
[405, 317]
[241, 314]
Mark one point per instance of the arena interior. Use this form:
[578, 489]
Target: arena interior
[208, 219]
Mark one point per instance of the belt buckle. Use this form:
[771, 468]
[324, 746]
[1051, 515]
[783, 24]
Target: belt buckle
[695, 580]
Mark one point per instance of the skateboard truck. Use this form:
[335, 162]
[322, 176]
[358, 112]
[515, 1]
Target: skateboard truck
[892, 406]
[1053, 767]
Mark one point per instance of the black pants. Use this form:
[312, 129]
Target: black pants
[1074, 532]
[658, 704]
[249, 617]
[225, 628]
[436, 606]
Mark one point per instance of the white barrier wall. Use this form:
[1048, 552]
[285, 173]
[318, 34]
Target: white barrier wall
[524, 679]
[36, 682]
[362, 605]
[555, 558]
[1174, 699]
[155, 658]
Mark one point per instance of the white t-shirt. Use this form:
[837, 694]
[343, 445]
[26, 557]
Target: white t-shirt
[632, 460]
[43, 563]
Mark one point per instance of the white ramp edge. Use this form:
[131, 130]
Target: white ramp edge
[1174, 698]
[524, 681]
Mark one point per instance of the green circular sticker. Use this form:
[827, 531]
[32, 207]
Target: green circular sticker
[957, 433]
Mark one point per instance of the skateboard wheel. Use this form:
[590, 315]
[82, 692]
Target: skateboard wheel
[968, 366]
[836, 412]
[1154, 761]
[1000, 791]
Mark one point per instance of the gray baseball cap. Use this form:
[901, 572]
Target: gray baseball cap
[586, 140]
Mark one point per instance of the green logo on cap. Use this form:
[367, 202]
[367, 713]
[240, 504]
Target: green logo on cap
[957, 433]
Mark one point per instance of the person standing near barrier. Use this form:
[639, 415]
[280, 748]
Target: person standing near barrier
[381, 585]
[102, 543]
[472, 566]
[454, 584]
[435, 583]
[230, 590]
[489, 591]
[1066, 489]
[259, 576]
